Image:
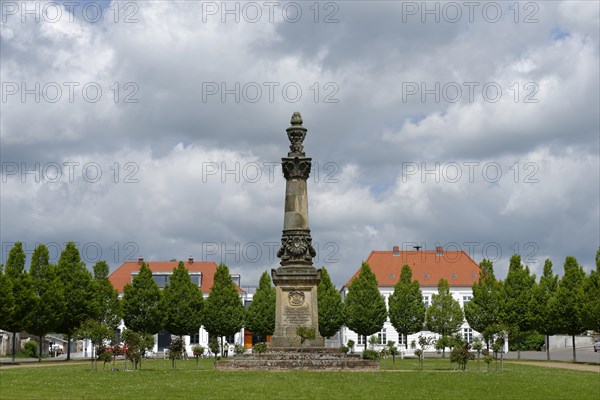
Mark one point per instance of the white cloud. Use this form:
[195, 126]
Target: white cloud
[360, 200]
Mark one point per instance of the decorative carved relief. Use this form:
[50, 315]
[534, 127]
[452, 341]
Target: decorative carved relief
[296, 298]
[296, 248]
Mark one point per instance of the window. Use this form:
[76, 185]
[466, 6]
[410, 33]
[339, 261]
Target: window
[402, 339]
[230, 339]
[426, 301]
[161, 280]
[195, 339]
[382, 336]
[196, 278]
[362, 339]
[466, 299]
[468, 335]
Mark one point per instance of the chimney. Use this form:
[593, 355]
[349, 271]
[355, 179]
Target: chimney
[140, 260]
[396, 250]
[439, 250]
[190, 260]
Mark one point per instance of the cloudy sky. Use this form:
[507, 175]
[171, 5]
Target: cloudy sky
[156, 129]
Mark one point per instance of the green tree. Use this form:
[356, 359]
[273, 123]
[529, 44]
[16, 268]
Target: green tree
[48, 305]
[590, 309]
[567, 303]
[7, 300]
[364, 308]
[225, 312]
[444, 316]
[141, 303]
[261, 312]
[481, 312]
[182, 303]
[517, 291]
[78, 289]
[22, 292]
[96, 332]
[107, 297]
[176, 349]
[541, 314]
[330, 306]
[406, 307]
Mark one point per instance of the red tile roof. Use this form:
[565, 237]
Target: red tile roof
[427, 266]
[122, 275]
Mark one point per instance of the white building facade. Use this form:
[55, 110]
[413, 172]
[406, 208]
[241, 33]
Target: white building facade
[202, 274]
[427, 267]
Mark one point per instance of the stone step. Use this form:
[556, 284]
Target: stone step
[298, 356]
[297, 364]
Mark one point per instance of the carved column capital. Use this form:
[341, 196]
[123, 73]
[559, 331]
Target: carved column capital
[296, 167]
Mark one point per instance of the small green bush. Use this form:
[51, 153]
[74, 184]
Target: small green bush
[369, 354]
[30, 348]
[344, 349]
[259, 348]
[239, 349]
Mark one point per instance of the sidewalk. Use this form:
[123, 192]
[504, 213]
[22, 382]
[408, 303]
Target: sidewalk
[63, 357]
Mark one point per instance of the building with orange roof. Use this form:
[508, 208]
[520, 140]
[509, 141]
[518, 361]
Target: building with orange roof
[201, 273]
[428, 267]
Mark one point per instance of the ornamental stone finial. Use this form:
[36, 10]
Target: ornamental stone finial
[296, 133]
[296, 119]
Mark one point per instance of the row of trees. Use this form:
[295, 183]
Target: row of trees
[54, 298]
[365, 310]
[551, 306]
[518, 304]
[67, 298]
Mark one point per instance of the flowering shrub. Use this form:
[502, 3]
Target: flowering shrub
[198, 351]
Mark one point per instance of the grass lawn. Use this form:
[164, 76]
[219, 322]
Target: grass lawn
[400, 380]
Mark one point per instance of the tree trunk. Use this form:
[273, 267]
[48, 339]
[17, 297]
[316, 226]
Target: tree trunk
[40, 349]
[518, 346]
[574, 353]
[548, 347]
[68, 347]
[14, 351]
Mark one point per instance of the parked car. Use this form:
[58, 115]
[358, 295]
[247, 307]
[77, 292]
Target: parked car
[597, 345]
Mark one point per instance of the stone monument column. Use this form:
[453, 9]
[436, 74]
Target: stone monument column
[296, 279]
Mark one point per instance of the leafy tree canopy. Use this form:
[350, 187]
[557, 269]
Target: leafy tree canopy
[182, 303]
[365, 311]
[225, 312]
[141, 303]
[329, 305]
[261, 312]
[406, 307]
[444, 315]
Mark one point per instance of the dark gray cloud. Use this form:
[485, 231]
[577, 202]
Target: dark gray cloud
[165, 190]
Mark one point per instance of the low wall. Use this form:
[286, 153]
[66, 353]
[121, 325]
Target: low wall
[566, 342]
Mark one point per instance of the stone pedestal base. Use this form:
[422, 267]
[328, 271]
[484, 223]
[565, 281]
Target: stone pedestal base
[280, 359]
[296, 305]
